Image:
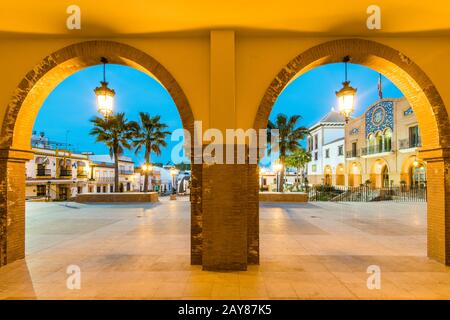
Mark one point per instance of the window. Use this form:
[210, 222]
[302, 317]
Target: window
[41, 190]
[316, 142]
[387, 140]
[316, 156]
[414, 137]
[340, 150]
[327, 153]
[111, 188]
[314, 168]
[99, 189]
[354, 148]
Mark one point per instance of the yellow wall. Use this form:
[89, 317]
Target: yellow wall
[258, 59]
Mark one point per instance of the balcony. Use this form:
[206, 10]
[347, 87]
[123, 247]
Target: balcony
[352, 154]
[65, 173]
[43, 173]
[126, 172]
[375, 150]
[107, 180]
[405, 144]
[82, 174]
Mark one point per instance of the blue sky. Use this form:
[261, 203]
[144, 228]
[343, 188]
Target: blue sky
[313, 94]
[67, 110]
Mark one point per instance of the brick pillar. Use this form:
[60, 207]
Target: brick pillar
[196, 214]
[253, 214]
[225, 216]
[12, 205]
[438, 204]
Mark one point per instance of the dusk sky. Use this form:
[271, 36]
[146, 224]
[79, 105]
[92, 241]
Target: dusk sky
[67, 110]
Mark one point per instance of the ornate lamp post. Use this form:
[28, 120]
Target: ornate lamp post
[105, 95]
[346, 96]
[174, 173]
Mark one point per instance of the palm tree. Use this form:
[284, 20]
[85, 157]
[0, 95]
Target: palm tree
[298, 159]
[116, 132]
[150, 136]
[289, 136]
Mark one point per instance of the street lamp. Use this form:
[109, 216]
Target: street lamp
[277, 167]
[174, 173]
[105, 95]
[346, 96]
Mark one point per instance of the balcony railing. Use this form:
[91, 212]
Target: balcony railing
[126, 172]
[105, 179]
[43, 172]
[352, 154]
[407, 144]
[366, 151]
[65, 173]
[82, 174]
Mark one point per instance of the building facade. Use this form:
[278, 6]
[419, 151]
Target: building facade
[381, 146]
[102, 179]
[326, 145]
[54, 173]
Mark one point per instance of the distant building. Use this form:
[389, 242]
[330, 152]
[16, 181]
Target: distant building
[381, 146]
[326, 145]
[55, 173]
[103, 174]
[59, 174]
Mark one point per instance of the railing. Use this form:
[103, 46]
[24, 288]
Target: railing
[407, 144]
[365, 193]
[105, 179]
[126, 172]
[43, 172]
[352, 154]
[82, 174]
[65, 173]
[375, 149]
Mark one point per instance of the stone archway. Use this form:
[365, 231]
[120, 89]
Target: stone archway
[421, 94]
[22, 110]
[379, 174]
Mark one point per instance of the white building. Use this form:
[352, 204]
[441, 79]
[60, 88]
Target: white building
[102, 179]
[326, 144]
[56, 174]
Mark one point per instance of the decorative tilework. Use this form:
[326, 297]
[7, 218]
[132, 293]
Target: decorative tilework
[408, 111]
[354, 131]
[379, 117]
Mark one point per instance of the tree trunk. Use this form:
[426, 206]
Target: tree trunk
[281, 182]
[147, 161]
[116, 171]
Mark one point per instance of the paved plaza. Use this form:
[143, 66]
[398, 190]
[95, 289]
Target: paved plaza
[308, 251]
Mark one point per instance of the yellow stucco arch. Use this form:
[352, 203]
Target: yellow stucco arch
[418, 89]
[39, 82]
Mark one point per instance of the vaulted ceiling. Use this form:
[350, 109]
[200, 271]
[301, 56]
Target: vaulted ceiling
[142, 17]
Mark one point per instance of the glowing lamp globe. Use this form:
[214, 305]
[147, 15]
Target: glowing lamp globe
[346, 100]
[105, 99]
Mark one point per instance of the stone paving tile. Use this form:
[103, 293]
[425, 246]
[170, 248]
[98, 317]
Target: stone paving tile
[308, 251]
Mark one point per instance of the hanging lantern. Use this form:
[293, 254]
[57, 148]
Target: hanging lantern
[346, 96]
[105, 95]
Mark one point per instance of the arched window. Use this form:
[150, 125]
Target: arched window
[387, 140]
[379, 142]
[371, 142]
